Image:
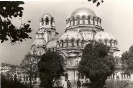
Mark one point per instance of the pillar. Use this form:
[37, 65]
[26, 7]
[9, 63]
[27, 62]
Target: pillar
[84, 78]
[131, 77]
[76, 75]
[86, 21]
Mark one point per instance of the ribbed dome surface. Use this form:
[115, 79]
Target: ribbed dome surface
[83, 11]
[39, 42]
[51, 44]
[103, 36]
[46, 15]
[71, 35]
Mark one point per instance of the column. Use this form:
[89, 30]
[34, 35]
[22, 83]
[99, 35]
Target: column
[84, 78]
[131, 77]
[76, 75]
[86, 21]
[75, 23]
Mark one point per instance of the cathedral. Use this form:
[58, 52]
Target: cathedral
[82, 26]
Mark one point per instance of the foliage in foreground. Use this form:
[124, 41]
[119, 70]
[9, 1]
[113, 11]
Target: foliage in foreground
[96, 64]
[127, 61]
[97, 1]
[9, 10]
[29, 67]
[50, 67]
[8, 81]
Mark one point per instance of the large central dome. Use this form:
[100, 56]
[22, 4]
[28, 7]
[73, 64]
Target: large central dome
[83, 11]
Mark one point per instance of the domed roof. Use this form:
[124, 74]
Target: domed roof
[46, 15]
[52, 44]
[103, 36]
[71, 35]
[83, 11]
[39, 42]
[117, 54]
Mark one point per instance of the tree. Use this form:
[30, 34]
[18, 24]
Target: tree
[127, 60]
[50, 67]
[29, 66]
[8, 81]
[97, 1]
[96, 63]
[8, 31]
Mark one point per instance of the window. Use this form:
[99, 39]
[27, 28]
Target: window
[52, 20]
[47, 21]
[77, 42]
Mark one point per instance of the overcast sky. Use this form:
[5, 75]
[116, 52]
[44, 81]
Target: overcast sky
[116, 15]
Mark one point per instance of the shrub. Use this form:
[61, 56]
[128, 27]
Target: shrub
[86, 84]
[8, 82]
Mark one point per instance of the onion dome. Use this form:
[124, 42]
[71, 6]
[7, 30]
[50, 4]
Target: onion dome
[51, 44]
[83, 12]
[39, 42]
[71, 35]
[117, 54]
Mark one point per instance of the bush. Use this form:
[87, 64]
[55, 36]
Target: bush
[86, 84]
[8, 82]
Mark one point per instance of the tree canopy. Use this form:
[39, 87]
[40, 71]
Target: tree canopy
[50, 67]
[96, 63]
[8, 31]
[127, 60]
[97, 1]
[29, 66]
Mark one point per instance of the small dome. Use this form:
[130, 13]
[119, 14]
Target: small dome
[39, 42]
[51, 44]
[71, 35]
[103, 36]
[117, 54]
[46, 15]
[83, 11]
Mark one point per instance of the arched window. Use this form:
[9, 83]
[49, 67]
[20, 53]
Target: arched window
[73, 21]
[62, 43]
[67, 41]
[78, 21]
[106, 41]
[78, 42]
[110, 42]
[83, 18]
[72, 41]
[52, 21]
[89, 20]
[47, 20]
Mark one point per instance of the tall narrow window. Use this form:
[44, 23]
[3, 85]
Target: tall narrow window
[62, 43]
[47, 21]
[78, 42]
[52, 21]
[78, 21]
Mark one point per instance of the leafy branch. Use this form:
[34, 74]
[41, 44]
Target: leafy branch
[97, 1]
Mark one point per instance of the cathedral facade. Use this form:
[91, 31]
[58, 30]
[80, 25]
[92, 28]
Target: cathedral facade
[82, 26]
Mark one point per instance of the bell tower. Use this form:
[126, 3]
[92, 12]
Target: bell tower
[47, 27]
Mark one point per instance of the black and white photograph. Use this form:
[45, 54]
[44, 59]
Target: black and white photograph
[66, 44]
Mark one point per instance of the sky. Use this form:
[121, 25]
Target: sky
[116, 15]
